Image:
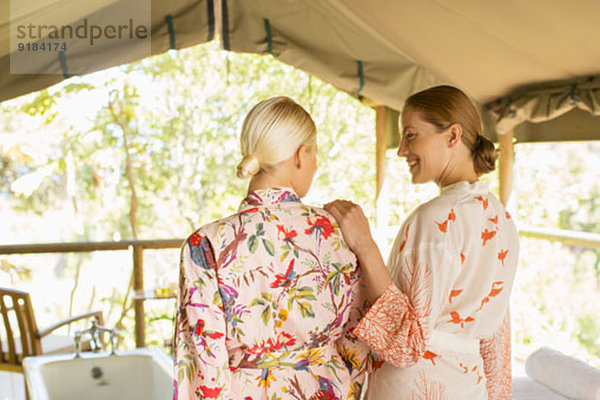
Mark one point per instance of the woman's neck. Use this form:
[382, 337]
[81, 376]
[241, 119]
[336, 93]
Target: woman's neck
[457, 172]
[265, 180]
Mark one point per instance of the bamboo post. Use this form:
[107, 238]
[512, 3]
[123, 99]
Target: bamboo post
[505, 173]
[138, 287]
[381, 146]
[505, 176]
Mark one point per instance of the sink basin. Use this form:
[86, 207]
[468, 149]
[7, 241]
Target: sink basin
[144, 373]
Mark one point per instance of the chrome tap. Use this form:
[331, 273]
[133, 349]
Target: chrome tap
[94, 331]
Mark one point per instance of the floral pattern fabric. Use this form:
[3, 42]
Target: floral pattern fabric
[268, 301]
[441, 326]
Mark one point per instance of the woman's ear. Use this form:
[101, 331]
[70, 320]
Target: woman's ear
[454, 135]
[299, 155]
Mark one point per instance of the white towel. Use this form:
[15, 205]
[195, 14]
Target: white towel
[566, 375]
[525, 388]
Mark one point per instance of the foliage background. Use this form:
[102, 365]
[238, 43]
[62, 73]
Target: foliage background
[162, 134]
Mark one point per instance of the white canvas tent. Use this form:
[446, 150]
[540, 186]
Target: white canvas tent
[533, 66]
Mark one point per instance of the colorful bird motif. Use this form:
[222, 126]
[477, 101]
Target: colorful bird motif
[287, 234]
[199, 246]
[201, 335]
[286, 279]
[199, 331]
[326, 390]
[322, 224]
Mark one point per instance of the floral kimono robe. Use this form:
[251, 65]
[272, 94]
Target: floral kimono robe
[268, 300]
[443, 326]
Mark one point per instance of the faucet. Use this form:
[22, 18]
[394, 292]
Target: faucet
[94, 331]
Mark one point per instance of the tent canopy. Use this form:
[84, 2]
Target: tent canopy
[532, 66]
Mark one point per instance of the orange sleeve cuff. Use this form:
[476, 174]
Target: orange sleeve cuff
[392, 329]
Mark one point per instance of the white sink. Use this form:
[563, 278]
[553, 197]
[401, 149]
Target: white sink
[144, 373]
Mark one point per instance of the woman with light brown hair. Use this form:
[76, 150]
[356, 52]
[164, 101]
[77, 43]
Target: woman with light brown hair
[439, 315]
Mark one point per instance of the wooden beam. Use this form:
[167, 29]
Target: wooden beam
[505, 172]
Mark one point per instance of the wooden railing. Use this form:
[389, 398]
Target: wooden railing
[570, 238]
[137, 246]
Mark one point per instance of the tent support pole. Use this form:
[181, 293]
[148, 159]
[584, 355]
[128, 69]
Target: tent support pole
[381, 146]
[505, 173]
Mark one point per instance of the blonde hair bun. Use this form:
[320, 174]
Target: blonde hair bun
[248, 167]
[272, 131]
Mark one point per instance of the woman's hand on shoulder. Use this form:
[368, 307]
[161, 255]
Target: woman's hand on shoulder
[353, 223]
[357, 234]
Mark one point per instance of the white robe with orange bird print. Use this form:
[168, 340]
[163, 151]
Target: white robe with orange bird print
[442, 327]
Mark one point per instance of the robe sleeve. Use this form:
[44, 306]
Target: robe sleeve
[200, 355]
[424, 265]
[356, 354]
[497, 362]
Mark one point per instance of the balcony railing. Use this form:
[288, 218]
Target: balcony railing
[137, 246]
[570, 238]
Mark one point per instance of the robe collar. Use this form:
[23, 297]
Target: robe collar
[476, 187]
[269, 196]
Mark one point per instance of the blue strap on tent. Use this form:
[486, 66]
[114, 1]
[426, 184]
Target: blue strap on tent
[225, 25]
[210, 11]
[169, 19]
[572, 94]
[361, 76]
[269, 36]
[62, 59]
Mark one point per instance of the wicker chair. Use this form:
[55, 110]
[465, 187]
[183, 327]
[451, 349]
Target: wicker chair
[21, 336]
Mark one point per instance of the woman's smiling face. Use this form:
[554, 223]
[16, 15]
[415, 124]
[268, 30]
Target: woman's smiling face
[424, 147]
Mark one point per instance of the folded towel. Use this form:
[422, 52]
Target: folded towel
[565, 375]
[525, 388]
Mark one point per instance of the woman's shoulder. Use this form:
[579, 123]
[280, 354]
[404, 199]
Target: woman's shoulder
[437, 208]
[211, 228]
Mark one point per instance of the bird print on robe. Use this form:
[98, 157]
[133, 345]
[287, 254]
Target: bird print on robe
[326, 390]
[285, 279]
[268, 302]
[459, 257]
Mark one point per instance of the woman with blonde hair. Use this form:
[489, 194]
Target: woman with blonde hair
[439, 317]
[269, 295]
